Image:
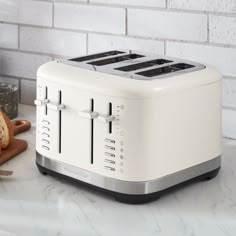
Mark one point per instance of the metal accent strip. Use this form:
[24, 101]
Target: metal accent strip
[128, 187]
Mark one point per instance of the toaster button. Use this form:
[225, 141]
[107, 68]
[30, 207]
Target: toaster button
[109, 154]
[106, 118]
[88, 114]
[109, 161]
[55, 106]
[109, 168]
[109, 147]
[43, 102]
[109, 140]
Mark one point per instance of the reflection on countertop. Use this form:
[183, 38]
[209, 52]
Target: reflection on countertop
[36, 205]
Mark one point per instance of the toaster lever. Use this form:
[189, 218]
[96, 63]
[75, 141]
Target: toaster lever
[55, 106]
[106, 118]
[88, 114]
[42, 102]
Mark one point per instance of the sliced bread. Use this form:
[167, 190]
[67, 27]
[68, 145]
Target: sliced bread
[6, 130]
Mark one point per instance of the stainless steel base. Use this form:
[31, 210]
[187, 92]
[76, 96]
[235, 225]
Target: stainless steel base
[128, 187]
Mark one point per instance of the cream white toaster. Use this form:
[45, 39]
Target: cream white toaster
[128, 123]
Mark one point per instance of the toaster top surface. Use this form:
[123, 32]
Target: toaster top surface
[134, 65]
[131, 75]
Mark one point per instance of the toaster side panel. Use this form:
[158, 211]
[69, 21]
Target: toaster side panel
[180, 130]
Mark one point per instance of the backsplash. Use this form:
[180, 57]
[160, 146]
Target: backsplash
[34, 32]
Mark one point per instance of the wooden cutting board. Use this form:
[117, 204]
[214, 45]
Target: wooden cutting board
[17, 145]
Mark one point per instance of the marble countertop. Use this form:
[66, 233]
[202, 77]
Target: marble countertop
[36, 205]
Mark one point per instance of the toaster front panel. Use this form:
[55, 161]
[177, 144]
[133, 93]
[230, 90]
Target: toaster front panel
[89, 131]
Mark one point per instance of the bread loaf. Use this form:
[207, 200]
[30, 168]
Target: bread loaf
[6, 130]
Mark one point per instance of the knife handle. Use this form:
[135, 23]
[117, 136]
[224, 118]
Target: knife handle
[5, 172]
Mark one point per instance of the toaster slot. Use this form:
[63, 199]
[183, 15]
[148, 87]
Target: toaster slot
[46, 97]
[96, 56]
[92, 131]
[143, 65]
[115, 60]
[60, 102]
[165, 70]
[110, 113]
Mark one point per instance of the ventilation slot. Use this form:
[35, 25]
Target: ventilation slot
[143, 65]
[92, 130]
[115, 60]
[165, 70]
[60, 101]
[95, 56]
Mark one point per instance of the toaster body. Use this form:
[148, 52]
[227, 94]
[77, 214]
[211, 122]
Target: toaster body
[131, 129]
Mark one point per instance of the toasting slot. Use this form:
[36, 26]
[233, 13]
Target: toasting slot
[92, 130]
[110, 114]
[143, 65]
[96, 56]
[115, 60]
[60, 102]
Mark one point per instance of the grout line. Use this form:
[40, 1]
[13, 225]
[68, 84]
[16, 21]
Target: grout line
[229, 108]
[165, 47]
[19, 90]
[87, 43]
[208, 28]
[225, 77]
[18, 36]
[53, 14]
[17, 77]
[126, 21]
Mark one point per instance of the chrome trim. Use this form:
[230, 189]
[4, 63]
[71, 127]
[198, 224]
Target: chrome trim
[128, 187]
[111, 68]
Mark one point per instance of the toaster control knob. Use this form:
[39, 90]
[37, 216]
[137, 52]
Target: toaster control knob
[43, 102]
[88, 114]
[106, 118]
[55, 106]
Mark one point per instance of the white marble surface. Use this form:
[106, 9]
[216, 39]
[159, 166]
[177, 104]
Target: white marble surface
[37, 205]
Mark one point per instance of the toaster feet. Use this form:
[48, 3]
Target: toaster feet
[41, 169]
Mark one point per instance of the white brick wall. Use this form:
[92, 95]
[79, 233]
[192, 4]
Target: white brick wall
[55, 42]
[34, 32]
[229, 93]
[20, 64]
[100, 43]
[26, 12]
[222, 29]
[91, 18]
[136, 3]
[8, 36]
[205, 5]
[222, 57]
[167, 25]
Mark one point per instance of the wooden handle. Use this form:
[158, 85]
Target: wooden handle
[20, 126]
[5, 172]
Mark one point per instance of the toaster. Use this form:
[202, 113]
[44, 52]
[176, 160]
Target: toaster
[130, 124]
